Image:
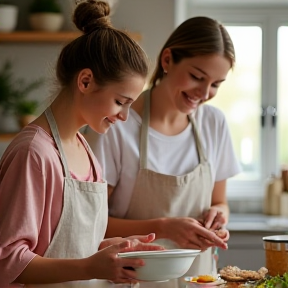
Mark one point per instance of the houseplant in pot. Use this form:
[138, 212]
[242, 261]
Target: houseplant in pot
[25, 111]
[46, 15]
[14, 102]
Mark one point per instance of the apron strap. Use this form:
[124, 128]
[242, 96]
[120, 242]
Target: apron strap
[144, 133]
[91, 156]
[55, 134]
[199, 146]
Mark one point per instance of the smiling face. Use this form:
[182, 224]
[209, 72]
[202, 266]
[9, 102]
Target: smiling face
[102, 106]
[193, 80]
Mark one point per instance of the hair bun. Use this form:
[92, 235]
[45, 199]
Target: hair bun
[91, 15]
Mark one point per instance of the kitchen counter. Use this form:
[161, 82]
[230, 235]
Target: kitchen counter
[257, 222]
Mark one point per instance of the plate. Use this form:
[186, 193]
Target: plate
[200, 284]
[160, 253]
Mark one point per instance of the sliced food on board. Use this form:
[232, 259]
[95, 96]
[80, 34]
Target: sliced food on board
[234, 273]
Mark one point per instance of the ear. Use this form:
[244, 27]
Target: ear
[166, 59]
[84, 80]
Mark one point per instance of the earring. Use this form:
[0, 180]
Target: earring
[165, 71]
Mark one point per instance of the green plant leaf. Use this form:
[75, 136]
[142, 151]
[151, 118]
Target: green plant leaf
[40, 6]
[26, 107]
[13, 91]
[276, 281]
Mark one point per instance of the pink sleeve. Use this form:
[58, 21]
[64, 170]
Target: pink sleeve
[21, 211]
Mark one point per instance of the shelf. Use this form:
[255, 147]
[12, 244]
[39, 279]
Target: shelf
[27, 36]
[7, 136]
[46, 37]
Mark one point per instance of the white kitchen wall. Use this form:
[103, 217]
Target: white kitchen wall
[153, 19]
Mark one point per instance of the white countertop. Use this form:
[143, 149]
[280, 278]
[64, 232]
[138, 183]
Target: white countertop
[257, 222]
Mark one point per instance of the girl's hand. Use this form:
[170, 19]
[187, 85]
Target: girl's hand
[223, 233]
[142, 238]
[189, 233]
[106, 264]
[213, 219]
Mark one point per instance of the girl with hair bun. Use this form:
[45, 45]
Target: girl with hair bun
[53, 199]
[167, 166]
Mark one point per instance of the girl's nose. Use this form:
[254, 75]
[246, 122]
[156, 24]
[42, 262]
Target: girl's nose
[123, 115]
[204, 92]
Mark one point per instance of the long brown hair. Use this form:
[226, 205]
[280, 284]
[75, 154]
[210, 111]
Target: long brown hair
[108, 52]
[196, 36]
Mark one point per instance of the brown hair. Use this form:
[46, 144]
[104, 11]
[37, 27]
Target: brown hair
[196, 36]
[108, 52]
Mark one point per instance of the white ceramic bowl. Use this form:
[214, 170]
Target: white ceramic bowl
[50, 22]
[163, 265]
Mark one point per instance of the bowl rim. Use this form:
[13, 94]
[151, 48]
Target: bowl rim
[276, 238]
[161, 253]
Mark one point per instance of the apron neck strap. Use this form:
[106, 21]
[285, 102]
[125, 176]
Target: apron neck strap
[199, 146]
[91, 157]
[144, 133]
[144, 130]
[56, 136]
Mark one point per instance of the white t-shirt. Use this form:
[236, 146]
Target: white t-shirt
[118, 152]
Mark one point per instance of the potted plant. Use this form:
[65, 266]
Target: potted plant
[25, 111]
[46, 15]
[14, 94]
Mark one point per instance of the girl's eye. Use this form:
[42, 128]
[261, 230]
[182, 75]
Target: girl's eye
[194, 77]
[118, 103]
[215, 85]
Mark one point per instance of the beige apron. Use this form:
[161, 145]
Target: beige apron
[83, 221]
[158, 195]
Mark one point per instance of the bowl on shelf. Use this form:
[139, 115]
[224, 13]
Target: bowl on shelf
[50, 22]
[163, 265]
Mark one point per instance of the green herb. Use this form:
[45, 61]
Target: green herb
[275, 282]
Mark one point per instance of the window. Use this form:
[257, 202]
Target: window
[254, 97]
[282, 86]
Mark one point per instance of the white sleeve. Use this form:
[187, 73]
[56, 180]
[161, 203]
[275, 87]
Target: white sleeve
[107, 152]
